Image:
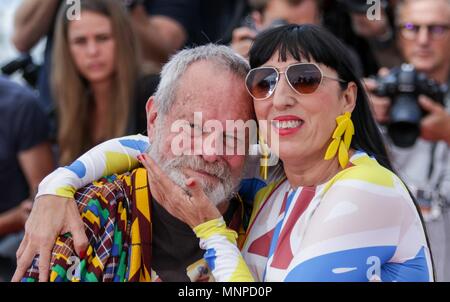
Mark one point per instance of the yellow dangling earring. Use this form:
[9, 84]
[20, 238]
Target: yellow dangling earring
[344, 127]
[264, 161]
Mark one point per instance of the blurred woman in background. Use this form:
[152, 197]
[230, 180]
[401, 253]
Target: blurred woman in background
[93, 78]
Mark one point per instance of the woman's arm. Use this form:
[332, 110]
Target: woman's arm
[222, 254]
[53, 215]
[114, 156]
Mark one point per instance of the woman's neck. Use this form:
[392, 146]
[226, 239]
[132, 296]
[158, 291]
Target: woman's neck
[101, 92]
[311, 172]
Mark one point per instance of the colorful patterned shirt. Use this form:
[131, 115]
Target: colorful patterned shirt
[126, 241]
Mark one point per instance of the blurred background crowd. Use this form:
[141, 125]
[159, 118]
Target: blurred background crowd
[66, 85]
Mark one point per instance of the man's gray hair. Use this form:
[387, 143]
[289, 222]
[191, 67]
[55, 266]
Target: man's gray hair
[171, 73]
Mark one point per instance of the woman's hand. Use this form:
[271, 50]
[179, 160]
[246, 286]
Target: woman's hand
[50, 217]
[192, 206]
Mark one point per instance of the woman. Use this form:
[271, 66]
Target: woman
[339, 214]
[93, 76]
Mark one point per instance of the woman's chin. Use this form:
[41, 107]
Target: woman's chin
[290, 153]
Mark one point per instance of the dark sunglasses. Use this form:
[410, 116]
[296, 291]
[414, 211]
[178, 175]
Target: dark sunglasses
[304, 78]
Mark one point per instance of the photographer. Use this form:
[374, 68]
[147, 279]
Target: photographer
[378, 30]
[423, 162]
[270, 13]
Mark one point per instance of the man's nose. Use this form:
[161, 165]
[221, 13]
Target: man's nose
[423, 36]
[212, 148]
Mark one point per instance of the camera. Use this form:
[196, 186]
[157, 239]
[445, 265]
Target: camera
[403, 85]
[25, 64]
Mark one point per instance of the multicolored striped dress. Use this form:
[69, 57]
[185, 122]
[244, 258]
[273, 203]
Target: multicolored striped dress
[362, 225]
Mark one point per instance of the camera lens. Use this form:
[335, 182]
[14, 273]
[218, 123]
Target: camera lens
[405, 116]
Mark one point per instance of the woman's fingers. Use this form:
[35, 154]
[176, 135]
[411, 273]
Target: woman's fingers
[200, 208]
[196, 190]
[156, 173]
[24, 262]
[193, 210]
[165, 191]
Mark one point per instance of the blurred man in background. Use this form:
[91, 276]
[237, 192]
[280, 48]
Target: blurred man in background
[269, 13]
[25, 159]
[424, 41]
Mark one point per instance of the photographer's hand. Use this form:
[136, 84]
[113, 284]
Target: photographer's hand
[436, 125]
[242, 40]
[380, 105]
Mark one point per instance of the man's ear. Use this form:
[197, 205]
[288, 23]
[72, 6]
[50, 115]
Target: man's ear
[349, 96]
[152, 114]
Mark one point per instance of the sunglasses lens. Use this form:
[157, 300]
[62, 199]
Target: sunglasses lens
[304, 78]
[261, 82]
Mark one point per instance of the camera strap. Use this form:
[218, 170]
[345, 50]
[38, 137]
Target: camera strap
[431, 166]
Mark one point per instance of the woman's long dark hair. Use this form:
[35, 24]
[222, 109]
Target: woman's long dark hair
[312, 42]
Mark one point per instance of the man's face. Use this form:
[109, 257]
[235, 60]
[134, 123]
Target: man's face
[218, 95]
[427, 51]
[298, 12]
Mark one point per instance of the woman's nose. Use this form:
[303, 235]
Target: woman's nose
[92, 47]
[283, 96]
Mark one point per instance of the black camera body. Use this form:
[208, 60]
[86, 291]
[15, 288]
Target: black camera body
[25, 64]
[403, 85]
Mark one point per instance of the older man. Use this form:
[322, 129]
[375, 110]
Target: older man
[131, 237]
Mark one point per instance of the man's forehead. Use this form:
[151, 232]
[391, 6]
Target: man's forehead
[215, 91]
[209, 112]
[227, 105]
[426, 11]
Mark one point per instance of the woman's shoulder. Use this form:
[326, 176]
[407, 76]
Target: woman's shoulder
[367, 180]
[365, 170]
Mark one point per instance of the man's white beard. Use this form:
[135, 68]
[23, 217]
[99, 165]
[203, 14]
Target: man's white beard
[217, 193]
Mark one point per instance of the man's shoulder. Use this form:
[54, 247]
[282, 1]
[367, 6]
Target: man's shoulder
[14, 94]
[19, 106]
[103, 201]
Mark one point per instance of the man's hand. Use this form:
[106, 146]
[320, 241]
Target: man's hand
[436, 125]
[380, 105]
[14, 220]
[50, 217]
[242, 40]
